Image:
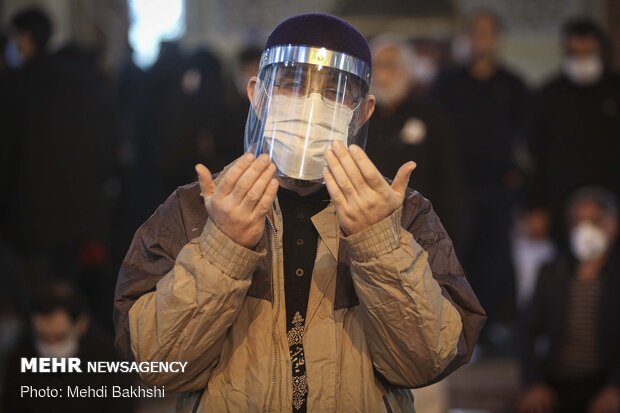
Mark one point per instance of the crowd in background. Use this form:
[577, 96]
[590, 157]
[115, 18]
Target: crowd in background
[525, 181]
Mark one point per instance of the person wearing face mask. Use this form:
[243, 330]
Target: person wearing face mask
[298, 279]
[575, 312]
[60, 328]
[574, 141]
[406, 126]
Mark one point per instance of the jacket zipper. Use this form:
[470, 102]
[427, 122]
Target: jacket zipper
[318, 243]
[276, 302]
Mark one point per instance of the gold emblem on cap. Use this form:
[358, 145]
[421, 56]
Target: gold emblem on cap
[318, 56]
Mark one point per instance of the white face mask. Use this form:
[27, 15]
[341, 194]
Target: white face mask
[300, 131]
[588, 241]
[66, 348]
[583, 70]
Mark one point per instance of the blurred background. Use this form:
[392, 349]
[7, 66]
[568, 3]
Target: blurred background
[511, 110]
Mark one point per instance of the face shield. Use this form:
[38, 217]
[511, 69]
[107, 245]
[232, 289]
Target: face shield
[305, 98]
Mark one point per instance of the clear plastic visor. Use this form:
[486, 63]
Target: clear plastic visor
[298, 110]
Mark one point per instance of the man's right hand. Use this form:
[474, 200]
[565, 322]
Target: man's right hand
[239, 203]
[540, 398]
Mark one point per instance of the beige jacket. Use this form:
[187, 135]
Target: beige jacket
[379, 318]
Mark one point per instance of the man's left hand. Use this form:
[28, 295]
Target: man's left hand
[606, 401]
[361, 195]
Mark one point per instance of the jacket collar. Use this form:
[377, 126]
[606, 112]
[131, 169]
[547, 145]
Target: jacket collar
[326, 225]
[325, 269]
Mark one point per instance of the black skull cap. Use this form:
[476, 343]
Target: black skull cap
[321, 30]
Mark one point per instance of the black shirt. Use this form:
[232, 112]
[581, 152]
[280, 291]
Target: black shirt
[417, 130]
[576, 139]
[300, 248]
[490, 117]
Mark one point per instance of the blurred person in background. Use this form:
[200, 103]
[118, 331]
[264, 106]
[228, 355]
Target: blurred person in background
[406, 127]
[430, 55]
[577, 122]
[128, 93]
[182, 120]
[61, 327]
[531, 249]
[571, 353]
[202, 83]
[31, 30]
[59, 142]
[487, 104]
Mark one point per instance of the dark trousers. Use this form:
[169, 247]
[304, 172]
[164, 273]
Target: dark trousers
[485, 252]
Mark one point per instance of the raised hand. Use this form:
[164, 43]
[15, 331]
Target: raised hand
[361, 195]
[606, 401]
[540, 398]
[237, 206]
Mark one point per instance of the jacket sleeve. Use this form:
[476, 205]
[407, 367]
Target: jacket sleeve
[422, 318]
[188, 315]
[151, 255]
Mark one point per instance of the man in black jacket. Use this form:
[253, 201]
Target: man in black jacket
[577, 122]
[487, 103]
[576, 313]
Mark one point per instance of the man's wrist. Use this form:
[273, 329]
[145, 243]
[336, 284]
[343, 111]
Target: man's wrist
[378, 239]
[231, 258]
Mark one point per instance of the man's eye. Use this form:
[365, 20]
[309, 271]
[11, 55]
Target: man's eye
[292, 84]
[332, 94]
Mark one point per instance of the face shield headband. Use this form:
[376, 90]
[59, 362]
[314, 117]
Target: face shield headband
[305, 98]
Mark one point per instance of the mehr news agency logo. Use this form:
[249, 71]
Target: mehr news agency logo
[43, 365]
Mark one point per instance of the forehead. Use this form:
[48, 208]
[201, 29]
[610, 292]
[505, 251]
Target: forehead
[312, 73]
[583, 43]
[307, 70]
[588, 210]
[388, 53]
[484, 23]
[56, 321]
